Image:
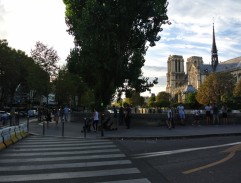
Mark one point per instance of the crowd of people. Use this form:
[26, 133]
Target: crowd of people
[212, 115]
[55, 114]
[111, 119]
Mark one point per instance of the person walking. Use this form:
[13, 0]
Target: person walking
[181, 113]
[208, 113]
[95, 120]
[128, 116]
[225, 114]
[170, 118]
[56, 116]
[121, 115]
[215, 114]
[115, 122]
[196, 121]
[66, 113]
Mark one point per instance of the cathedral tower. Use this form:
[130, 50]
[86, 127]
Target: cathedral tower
[214, 52]
[175, 73]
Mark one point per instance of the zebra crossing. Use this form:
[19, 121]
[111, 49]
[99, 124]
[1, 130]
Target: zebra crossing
[53, 159]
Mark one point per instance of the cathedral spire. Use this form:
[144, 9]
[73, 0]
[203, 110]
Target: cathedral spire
[214, 52]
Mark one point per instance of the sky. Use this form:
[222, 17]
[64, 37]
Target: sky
[24, 22]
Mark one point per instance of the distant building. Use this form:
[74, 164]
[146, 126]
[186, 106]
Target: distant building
[179, 83]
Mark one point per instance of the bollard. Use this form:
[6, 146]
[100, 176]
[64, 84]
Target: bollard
[101, 124]
[62, 128]
[28, 124]
[85, 127]
[43, 128]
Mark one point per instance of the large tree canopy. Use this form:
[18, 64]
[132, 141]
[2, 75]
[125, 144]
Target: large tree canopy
[111, 39]
[215, 86]
[18, 72]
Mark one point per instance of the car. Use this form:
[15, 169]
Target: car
[32, 113]
[4, 115]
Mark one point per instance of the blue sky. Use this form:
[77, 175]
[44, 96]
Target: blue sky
[24, 22]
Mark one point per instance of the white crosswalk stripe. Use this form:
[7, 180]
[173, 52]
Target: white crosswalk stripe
[52, 159]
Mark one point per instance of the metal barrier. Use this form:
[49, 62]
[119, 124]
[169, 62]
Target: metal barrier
[18, 133]
[2, 145]
[7, 137]
[13, 134]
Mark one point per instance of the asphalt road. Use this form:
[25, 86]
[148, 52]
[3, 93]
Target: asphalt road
[204, 160]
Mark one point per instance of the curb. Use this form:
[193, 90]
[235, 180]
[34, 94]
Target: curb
[147, 137]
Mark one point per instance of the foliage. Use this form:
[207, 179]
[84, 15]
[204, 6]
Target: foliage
[162, 99]
[151, 101]
[214, 87]
[162, 96]
[111, 38]
[18, 72]
[237, 89]
[68, 86]
[46, 57]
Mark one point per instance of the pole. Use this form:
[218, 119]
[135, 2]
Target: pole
[28, 123]
[101, 123]
[85, 128]
[62, 128]
[43, 128]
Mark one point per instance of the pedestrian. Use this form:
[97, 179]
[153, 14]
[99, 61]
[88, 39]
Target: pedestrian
[121, 115]
[66, 113]
[197, 114]
[61, 113]
[127, 116]
[95, 120]
[208, 109]
[115, 123]
[48, 117]
[56, 116]
[170, 118]
[215, 113]
[225, 114]
[40, 112]
[181, 113]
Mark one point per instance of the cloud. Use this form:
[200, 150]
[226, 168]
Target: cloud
[2, 22]
[155, 68]
[190, 34]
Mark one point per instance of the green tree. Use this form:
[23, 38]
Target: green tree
[162, 99]
[11, 71]
[151, 101]
[237, 89]
[111, 40]
[68, 86]
[214, 87]
[18, 72]
[46, 57]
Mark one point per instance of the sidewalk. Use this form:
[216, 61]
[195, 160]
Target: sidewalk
[73, 129]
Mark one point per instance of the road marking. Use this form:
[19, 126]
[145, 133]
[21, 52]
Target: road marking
[130, 181]
[232, 151]
[35, 162]
[60, 148]
[64, 165]
[65, 144]
[27, 154]
[67, 175]
[62, 158]
[210, 165]
[163, 153]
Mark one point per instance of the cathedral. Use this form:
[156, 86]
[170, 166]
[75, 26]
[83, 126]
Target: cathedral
[179, 83]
